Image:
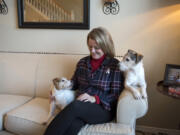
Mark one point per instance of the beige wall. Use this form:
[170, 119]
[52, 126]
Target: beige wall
[151, 27]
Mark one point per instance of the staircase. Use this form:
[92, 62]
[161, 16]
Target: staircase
[50, 10]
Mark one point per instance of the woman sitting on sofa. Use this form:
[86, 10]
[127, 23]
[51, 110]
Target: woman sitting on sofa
[99, 83]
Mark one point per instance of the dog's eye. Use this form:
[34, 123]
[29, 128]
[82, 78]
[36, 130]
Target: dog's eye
[127, 59]
[62, 80]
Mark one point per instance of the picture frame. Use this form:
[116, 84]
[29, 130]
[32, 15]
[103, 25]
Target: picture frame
[54, 14]
[172, 75]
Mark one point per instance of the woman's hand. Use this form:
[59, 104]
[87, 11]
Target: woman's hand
[86, 98]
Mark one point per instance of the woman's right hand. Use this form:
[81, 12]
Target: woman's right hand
[86, 98]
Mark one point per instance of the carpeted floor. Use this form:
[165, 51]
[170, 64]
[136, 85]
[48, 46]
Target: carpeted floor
[148, 133]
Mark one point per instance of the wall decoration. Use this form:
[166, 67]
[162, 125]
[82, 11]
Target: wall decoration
[111, 7]
[3, 7]
[62, 14]
[172, 75]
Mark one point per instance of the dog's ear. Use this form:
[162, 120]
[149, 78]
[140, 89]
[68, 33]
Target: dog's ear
[135, 56]
[138, 57]
[130, 51]
[56, 83]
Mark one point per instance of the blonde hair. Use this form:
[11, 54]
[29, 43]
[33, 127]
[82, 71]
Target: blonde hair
[103, 40]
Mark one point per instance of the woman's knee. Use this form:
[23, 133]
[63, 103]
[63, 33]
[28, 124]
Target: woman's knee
[76, 105]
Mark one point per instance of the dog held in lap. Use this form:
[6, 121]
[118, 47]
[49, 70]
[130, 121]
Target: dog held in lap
[133, 69]
[60, 96]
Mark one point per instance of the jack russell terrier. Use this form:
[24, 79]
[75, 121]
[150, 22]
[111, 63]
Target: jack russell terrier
[60, 96]
[133, 69]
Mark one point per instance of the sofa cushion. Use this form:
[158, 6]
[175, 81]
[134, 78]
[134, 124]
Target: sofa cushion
[107, 129]
[33, 113]
[18, 73]
[9, 102]
[30, 116]
[52, 66]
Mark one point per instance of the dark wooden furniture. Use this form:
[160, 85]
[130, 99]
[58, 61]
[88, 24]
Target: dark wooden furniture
[164, 90]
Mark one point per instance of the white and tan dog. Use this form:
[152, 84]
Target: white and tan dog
[133, 69]
[61, 95]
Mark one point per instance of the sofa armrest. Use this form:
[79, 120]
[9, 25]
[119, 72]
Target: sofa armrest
[129, 109]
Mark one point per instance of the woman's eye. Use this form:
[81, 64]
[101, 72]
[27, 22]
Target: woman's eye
[95, 47]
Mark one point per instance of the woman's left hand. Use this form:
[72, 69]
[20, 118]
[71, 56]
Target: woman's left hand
[86, 98]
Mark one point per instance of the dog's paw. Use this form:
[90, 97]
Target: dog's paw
[137, 95]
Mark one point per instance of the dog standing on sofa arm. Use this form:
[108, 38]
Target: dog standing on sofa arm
[133, 69]
[134, 94]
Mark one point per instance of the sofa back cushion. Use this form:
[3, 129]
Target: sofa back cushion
[52, 66]
[31, 74]
[17, 73]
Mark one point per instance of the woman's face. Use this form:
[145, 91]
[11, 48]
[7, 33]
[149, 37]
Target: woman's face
[95, 51]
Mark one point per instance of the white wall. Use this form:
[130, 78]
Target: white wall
[151, 27]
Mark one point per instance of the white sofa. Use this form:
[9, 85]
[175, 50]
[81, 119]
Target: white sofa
[25, 80]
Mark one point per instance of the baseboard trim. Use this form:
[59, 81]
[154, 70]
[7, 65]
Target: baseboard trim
[158, 131]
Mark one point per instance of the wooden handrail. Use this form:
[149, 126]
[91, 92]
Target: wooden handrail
[54, 12]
